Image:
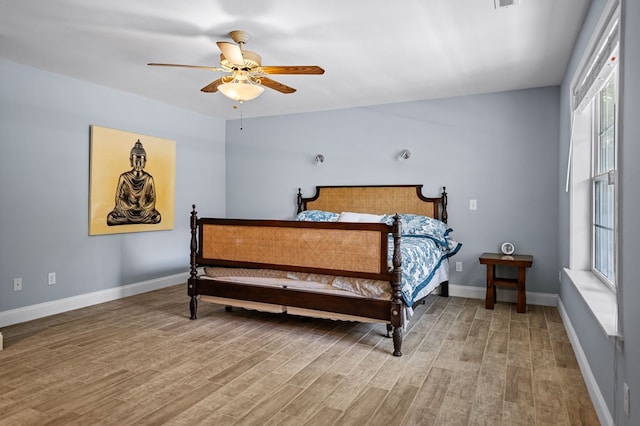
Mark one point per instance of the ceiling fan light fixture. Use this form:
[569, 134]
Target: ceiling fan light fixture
[241, 88]
[247, 78]
[241, 92]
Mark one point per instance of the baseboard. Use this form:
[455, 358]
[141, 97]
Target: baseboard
[504, 295]
[28, 313]
[604, 415]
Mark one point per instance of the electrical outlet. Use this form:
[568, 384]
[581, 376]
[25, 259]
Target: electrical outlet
[560, 276]
[473, 204]
[17, 284]
[626, 392]
[52, 278]
[458, 266]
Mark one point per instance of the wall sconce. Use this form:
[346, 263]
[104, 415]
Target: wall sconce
[319, 159]
[405, 154]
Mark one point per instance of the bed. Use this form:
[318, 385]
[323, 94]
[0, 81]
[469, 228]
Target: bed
[341, 258]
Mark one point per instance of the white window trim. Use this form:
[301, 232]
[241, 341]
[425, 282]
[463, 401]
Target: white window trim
[598, 296]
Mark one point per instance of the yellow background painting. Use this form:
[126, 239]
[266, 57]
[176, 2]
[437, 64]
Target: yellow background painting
[110, 150]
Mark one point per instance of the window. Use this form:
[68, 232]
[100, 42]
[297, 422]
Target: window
[591, 173]
[593, 154]
[603, 182]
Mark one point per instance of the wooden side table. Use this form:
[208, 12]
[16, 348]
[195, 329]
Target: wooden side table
[520, 261]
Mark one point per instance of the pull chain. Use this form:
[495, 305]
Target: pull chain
[236, 107]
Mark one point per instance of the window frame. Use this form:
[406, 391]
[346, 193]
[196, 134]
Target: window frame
[601, 300]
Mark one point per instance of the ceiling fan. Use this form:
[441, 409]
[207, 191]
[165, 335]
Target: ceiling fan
[247, 74]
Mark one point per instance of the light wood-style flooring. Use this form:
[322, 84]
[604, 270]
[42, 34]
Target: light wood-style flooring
[140, 360]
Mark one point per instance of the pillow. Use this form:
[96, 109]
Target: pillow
[360, 217]
[317, 216]
[423, 226]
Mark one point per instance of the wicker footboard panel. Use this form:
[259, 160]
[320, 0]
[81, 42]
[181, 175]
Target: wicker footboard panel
[330, 248]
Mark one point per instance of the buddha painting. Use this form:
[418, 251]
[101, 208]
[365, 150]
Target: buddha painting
[135, 198]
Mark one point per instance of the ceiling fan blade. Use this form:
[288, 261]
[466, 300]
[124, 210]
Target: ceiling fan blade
[231, 52]
[272, 84]
[212, 87]
[204, 67]
[292, 69]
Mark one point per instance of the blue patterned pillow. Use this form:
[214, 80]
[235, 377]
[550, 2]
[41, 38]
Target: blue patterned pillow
[317, 216]
[413, 224]
[423, 226]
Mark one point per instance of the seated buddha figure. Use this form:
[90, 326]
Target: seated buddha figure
[135, 201]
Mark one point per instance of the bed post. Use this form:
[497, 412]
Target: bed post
[193, 304]
[444, 215]
[444, 287]
[397, 304]
[299, 199]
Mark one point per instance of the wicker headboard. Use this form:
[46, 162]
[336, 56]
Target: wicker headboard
[376, 199]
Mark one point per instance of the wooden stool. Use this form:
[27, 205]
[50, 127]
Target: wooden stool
[522, 262]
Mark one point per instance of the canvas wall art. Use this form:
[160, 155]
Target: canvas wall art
[132, 182]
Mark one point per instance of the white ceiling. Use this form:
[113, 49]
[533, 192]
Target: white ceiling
[373, 51]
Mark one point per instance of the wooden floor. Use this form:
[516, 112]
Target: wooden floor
[140, 360]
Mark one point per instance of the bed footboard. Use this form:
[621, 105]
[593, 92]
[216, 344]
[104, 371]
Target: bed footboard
[330, 248]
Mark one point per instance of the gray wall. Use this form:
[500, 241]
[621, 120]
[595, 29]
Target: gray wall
[499, 149]
[599, 350]
[44, 186]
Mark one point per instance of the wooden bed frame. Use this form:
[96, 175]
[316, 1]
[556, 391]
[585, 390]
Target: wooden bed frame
[356, 250]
